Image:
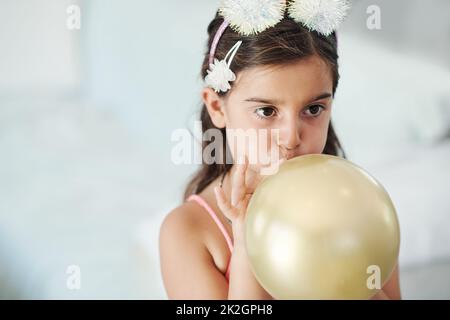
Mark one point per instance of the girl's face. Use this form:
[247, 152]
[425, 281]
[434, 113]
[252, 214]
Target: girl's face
[294, 98]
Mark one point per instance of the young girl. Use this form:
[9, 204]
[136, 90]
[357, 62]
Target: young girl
[285, 78]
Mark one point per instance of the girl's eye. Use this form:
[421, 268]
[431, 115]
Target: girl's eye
[314, 111]
[265, 112]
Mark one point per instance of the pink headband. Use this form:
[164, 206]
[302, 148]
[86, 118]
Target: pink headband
[217, 37]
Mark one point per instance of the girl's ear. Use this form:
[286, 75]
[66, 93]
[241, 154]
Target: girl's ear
[215, 106]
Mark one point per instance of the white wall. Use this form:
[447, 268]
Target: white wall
[410, 27]
[37, 51]
[143, 61]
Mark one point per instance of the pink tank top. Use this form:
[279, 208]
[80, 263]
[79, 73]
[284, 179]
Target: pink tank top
[213, 215]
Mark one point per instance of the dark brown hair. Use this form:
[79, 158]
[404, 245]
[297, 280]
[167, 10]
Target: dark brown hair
[285, 43]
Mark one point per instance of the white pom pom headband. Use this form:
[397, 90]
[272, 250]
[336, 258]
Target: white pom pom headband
[323, 16]
[250, 17]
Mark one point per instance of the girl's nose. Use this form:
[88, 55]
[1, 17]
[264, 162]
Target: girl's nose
[290, 135]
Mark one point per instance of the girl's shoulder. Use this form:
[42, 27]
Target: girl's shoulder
[184, 219]
[189, 228]
[191, 217]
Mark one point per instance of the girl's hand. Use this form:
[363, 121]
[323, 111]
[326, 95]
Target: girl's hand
[243, 183]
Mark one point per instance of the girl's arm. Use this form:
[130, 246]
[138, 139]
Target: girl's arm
[243, 284]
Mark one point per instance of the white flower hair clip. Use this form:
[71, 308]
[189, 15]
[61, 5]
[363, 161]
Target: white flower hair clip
[220, 74]
[250, 17]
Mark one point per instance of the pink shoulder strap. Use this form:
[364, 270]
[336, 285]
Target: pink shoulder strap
[213, 215]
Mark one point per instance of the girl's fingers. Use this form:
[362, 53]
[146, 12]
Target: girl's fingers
[244, 182]
[255, 177]
[238, 187]
[281, 161]
[246, 201]
[223, 204]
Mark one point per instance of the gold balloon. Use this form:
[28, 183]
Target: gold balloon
[321, 228]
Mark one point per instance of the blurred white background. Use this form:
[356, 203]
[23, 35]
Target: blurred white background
[86, 118]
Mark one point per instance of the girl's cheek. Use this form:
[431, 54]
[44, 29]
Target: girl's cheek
[315, 140]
